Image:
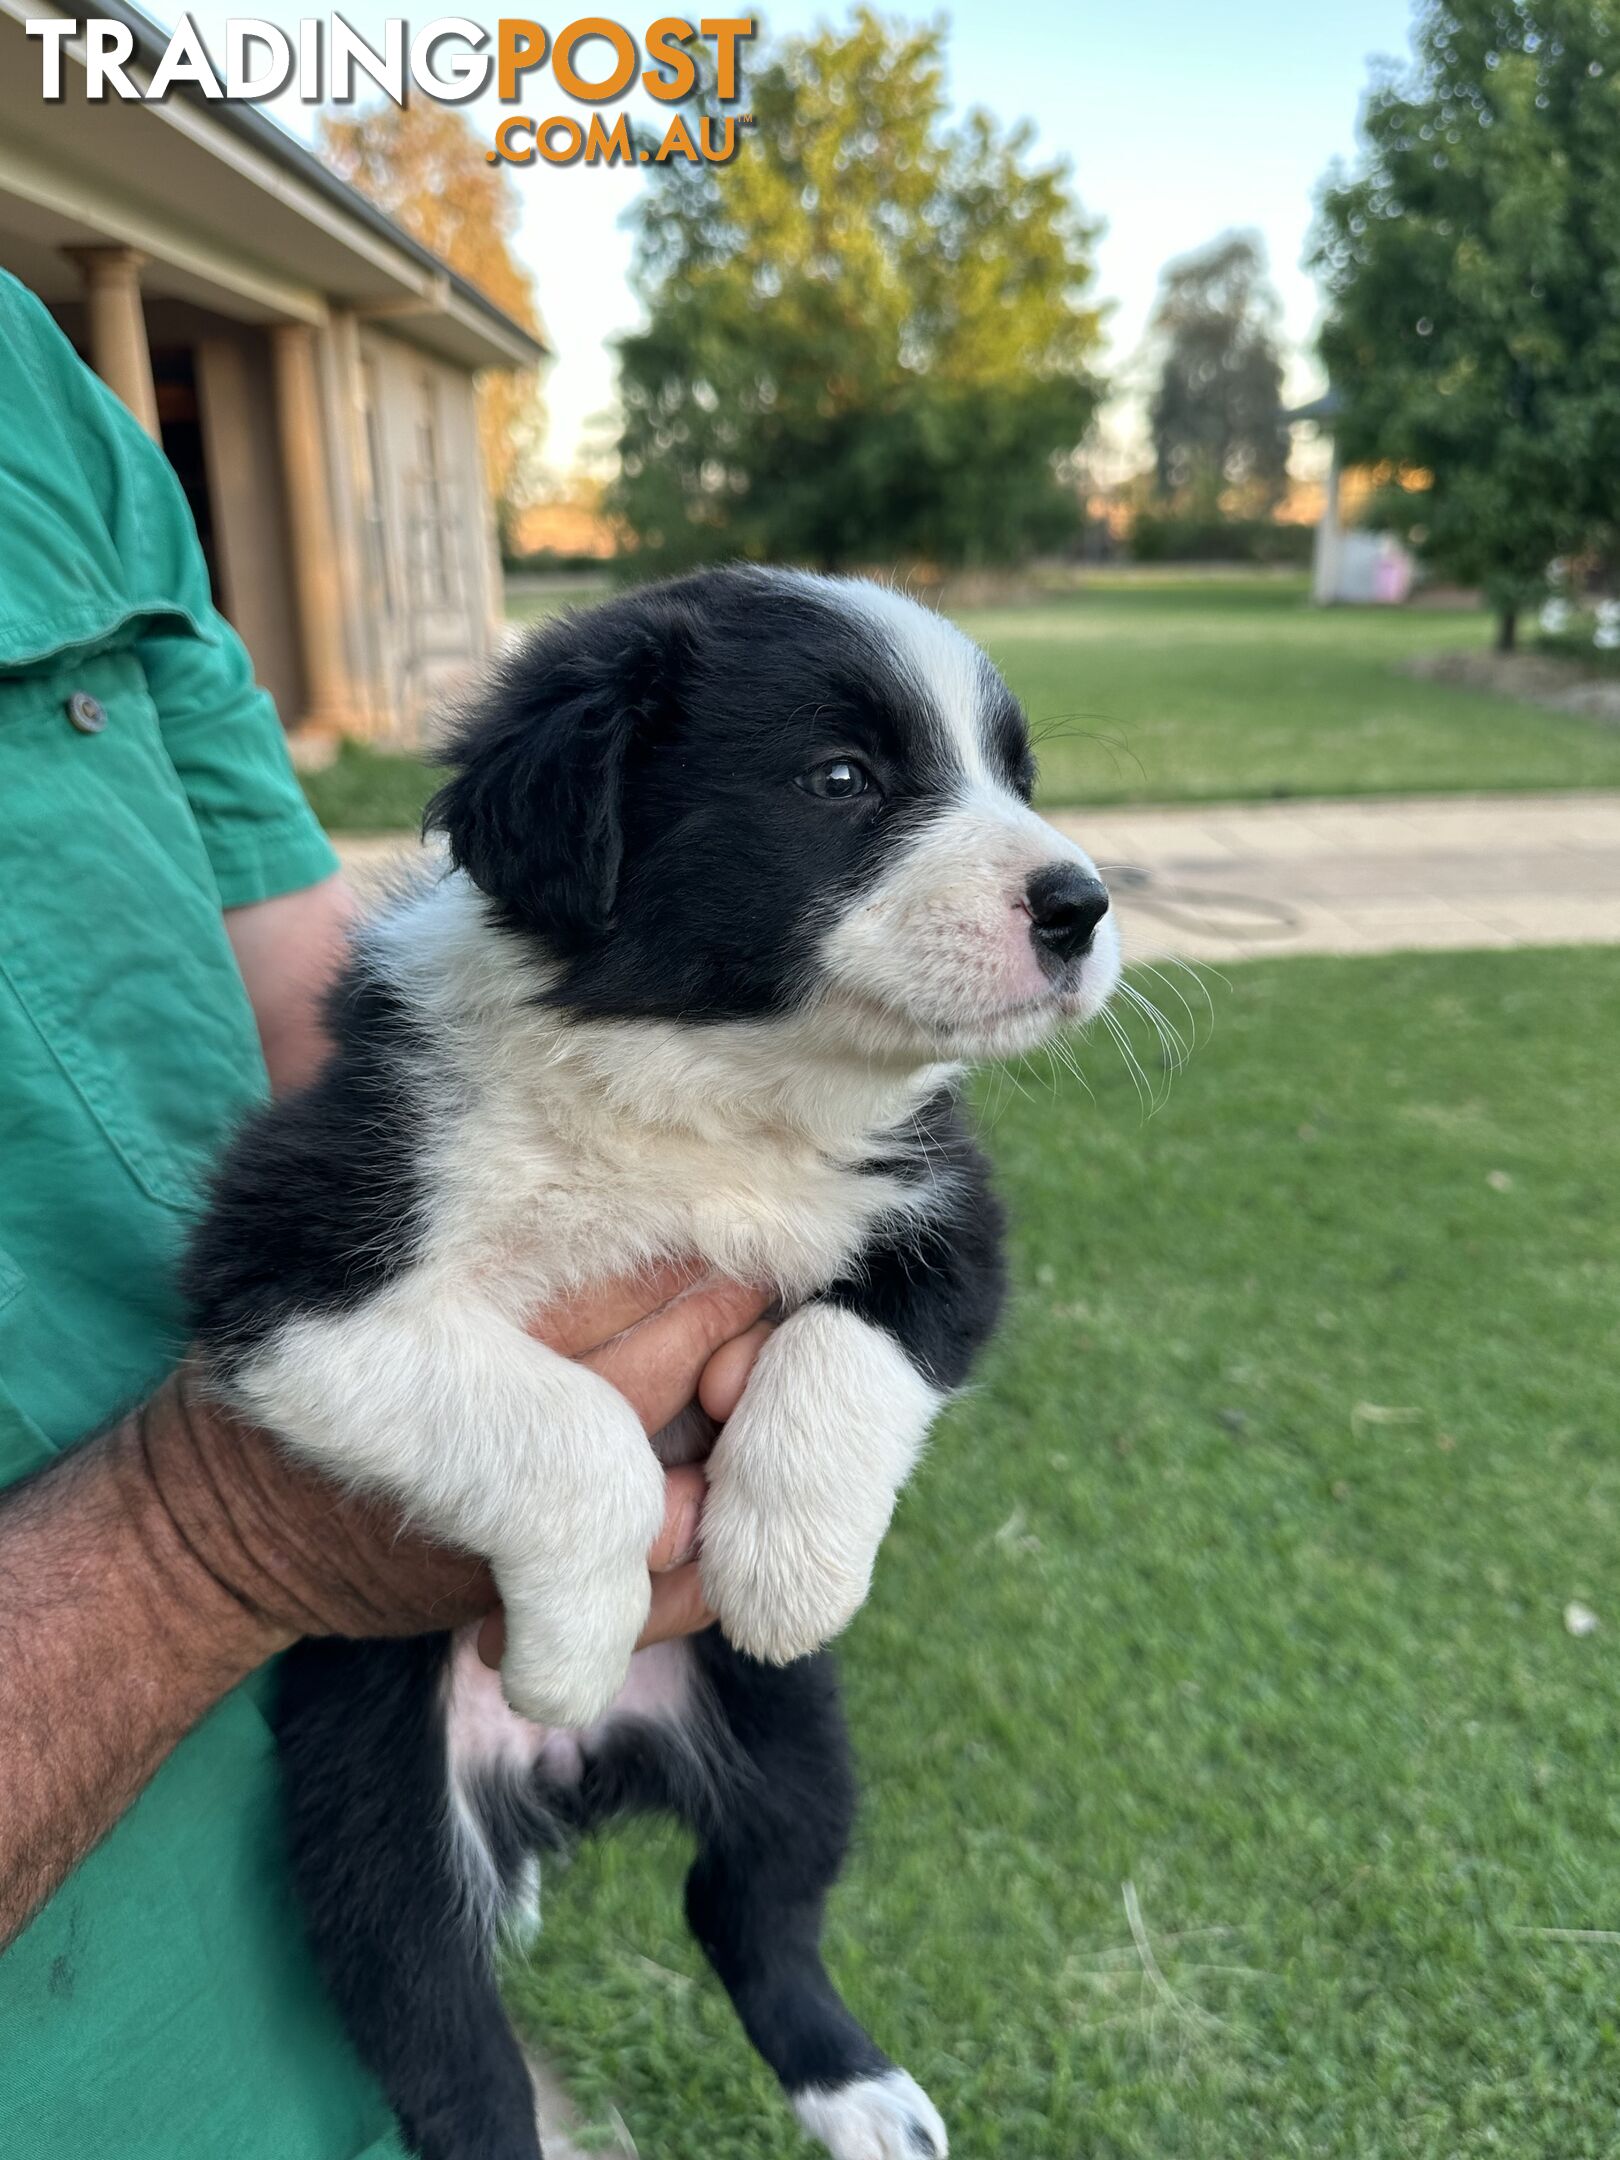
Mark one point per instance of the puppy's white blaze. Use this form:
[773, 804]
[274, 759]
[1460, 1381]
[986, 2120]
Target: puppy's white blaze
[942, 666]
[943, 938]
[804, 1478]
[497, 1445]
[876, 2118]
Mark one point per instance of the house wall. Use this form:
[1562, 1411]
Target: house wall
[414, 556]
[426, 541]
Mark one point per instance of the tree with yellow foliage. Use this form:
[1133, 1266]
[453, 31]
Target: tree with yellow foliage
[423, 164]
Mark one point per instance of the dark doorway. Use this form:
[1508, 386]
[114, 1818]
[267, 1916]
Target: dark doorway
[179, 416]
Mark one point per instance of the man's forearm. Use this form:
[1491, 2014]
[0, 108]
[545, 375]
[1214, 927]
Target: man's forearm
[146, 1574]
[288, 950]
[115, 1639]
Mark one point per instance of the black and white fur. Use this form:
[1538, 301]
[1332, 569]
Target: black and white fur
[741, 871]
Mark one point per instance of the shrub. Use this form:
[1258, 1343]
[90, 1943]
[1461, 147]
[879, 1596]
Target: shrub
[1172, 536]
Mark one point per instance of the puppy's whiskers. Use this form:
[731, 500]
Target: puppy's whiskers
[1064, 1050]
[1147, 1094]
[1173, 1046]
[1195, 971]
[1175, 991]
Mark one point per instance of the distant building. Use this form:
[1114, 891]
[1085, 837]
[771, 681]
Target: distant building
[1350, 566]
[307, 367]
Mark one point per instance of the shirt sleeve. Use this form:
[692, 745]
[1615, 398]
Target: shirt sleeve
[226, 744]
[220, 729]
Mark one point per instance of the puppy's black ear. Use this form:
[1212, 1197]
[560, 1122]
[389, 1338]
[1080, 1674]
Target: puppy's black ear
[534, 812]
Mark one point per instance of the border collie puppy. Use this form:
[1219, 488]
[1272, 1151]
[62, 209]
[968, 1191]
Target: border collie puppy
[742, 870]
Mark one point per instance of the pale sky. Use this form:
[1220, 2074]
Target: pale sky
[1180, 119]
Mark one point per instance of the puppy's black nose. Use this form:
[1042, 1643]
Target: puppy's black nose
[1065, 906]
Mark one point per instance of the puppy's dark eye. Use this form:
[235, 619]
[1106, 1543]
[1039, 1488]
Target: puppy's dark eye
[839, 780]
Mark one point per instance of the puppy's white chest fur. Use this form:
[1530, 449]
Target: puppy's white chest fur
[529, 1213]
[569, 1151]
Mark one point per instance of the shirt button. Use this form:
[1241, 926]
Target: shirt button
[87, 714]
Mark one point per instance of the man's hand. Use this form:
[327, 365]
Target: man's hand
[300, 1557]
[649, 1359]
[146, 1574]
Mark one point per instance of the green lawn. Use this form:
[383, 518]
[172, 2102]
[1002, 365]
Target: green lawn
[1241, 1580]
[1167, 689]
[370, 791]
[1220, 688]
[526, 604]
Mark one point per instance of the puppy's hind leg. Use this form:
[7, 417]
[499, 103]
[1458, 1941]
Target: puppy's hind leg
[402, 1893]
[771, 1845]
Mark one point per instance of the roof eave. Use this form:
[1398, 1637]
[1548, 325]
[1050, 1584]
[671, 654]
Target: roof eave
[505, 342]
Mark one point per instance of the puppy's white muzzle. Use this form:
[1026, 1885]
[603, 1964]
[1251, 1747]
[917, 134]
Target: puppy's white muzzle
[984, 935]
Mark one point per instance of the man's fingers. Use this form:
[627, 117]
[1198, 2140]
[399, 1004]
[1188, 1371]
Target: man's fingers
[678, 1606]
[657, 1364]
[659, 1339]
[677, 1542]
[726, 1374]
[584, 1322]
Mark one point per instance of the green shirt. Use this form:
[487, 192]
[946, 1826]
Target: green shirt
[164, 2005]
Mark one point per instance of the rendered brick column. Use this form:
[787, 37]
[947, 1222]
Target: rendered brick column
[119, 352]
[317, 570]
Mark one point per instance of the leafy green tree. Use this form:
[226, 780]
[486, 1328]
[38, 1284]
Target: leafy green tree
[1472, 265]
[867, 334]
[1219, 438]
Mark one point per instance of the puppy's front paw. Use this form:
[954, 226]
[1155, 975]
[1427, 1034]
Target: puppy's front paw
[540, 1687]
[571, 1560]
[779, 1593]
[803, 1481]
[876, 2118]
[568, 1647]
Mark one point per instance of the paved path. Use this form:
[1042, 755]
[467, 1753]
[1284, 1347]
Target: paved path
[1412, 874]
[1234, 881]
